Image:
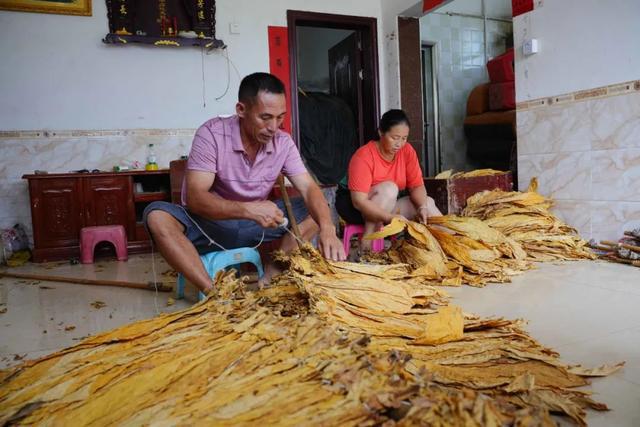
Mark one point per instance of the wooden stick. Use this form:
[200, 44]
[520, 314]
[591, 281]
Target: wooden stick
[602, 248]
[621, 245]
[622, 260]
[82, 281]
[287, 204]
[630, 247]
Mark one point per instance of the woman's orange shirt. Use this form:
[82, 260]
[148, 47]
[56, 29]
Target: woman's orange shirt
[368, 168]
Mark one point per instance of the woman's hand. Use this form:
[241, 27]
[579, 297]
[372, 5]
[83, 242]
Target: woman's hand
[427, 210]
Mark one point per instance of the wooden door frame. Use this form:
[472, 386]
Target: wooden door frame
[297, 18]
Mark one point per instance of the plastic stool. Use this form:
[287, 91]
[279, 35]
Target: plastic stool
[351, 230]
[91, 236]
[216, 261]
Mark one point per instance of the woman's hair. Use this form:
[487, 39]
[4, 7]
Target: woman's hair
[392, 118]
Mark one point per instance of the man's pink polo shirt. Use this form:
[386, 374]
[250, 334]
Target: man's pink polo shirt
[217, 148]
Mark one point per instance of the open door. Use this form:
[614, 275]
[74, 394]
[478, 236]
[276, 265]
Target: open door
[356, 77]
[345, 81]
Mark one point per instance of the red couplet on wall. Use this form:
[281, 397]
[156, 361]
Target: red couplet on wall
[279, 65]
[519, 7]
[430, 4]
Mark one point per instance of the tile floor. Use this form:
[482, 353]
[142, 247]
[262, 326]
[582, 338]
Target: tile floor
[588, 311]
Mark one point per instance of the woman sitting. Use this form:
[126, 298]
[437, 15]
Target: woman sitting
[373, 192]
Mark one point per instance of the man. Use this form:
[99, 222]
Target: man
[233, 164]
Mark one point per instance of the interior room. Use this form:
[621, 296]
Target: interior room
[374, 212]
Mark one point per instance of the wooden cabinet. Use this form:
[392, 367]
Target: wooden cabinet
[56, 211]
[108, 200]
[61, 204]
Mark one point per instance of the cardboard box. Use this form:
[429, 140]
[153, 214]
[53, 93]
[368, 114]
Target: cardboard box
[451, 194]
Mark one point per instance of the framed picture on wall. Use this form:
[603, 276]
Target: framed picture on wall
[61, 7]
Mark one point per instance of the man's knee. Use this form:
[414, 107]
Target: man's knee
[161, 223]
[387, 190]
[309, 227]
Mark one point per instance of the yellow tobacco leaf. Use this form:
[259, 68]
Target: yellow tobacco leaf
[394, 227]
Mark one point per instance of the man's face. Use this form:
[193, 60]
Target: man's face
[262, 118]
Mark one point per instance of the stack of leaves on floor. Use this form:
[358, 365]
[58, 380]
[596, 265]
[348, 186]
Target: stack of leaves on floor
[329, 344]
[525, 217]
[453, 251]
[449, 174]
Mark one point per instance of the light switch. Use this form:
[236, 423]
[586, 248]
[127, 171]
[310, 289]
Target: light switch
[234, 28]
[530, 46]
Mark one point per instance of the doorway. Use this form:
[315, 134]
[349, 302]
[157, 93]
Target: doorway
[475, 109]
[430, 109]
[335, 89]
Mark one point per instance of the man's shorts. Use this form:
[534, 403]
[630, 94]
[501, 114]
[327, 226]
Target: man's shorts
[228, 233]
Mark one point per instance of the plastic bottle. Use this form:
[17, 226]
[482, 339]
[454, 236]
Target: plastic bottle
[152, 164]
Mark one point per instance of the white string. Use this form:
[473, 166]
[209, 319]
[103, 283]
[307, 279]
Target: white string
[211, 241]
[226, 89]
[230, 64]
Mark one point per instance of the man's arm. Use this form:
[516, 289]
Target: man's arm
[207, 205]
[330, 245]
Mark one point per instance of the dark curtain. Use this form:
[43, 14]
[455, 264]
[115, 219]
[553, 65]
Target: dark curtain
[327, 135]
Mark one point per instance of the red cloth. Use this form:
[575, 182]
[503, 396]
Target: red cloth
[367, 168]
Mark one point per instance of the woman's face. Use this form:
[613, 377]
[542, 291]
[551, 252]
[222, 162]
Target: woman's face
[395, 138]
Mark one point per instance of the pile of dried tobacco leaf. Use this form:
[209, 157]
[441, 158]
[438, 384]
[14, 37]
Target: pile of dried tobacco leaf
[452, 251]
[330, 344]
[525, 217]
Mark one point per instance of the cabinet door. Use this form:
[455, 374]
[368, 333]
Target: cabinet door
[56, 211]
[108, 201]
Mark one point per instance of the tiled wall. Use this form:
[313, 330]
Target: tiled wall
[584, 148]
[64, 151]
[461, 67]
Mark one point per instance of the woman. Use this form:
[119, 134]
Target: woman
[379, 172]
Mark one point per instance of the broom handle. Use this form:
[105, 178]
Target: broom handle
[81, 281]
[287, 204]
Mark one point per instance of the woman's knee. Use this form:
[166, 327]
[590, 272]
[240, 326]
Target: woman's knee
[388, 190]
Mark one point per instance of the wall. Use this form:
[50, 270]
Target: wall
[62, 58]
[313, 56]
[69, 102]
[583, 44]
[579, 112]
[459, 42]
[388, 53]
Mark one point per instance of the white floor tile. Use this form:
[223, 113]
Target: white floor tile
[616, 347]
[588, 311]
[561, 302]
[623, 400]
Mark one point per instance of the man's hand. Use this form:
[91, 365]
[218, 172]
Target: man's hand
[266, 213]
[330, 246]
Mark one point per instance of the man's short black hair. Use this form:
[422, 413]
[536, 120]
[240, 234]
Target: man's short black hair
[256, 82]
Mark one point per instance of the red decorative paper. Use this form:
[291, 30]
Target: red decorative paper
[519, 7]
[279, 65]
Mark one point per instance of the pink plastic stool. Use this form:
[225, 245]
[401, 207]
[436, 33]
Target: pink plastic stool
[351, 230]
[91, 236]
